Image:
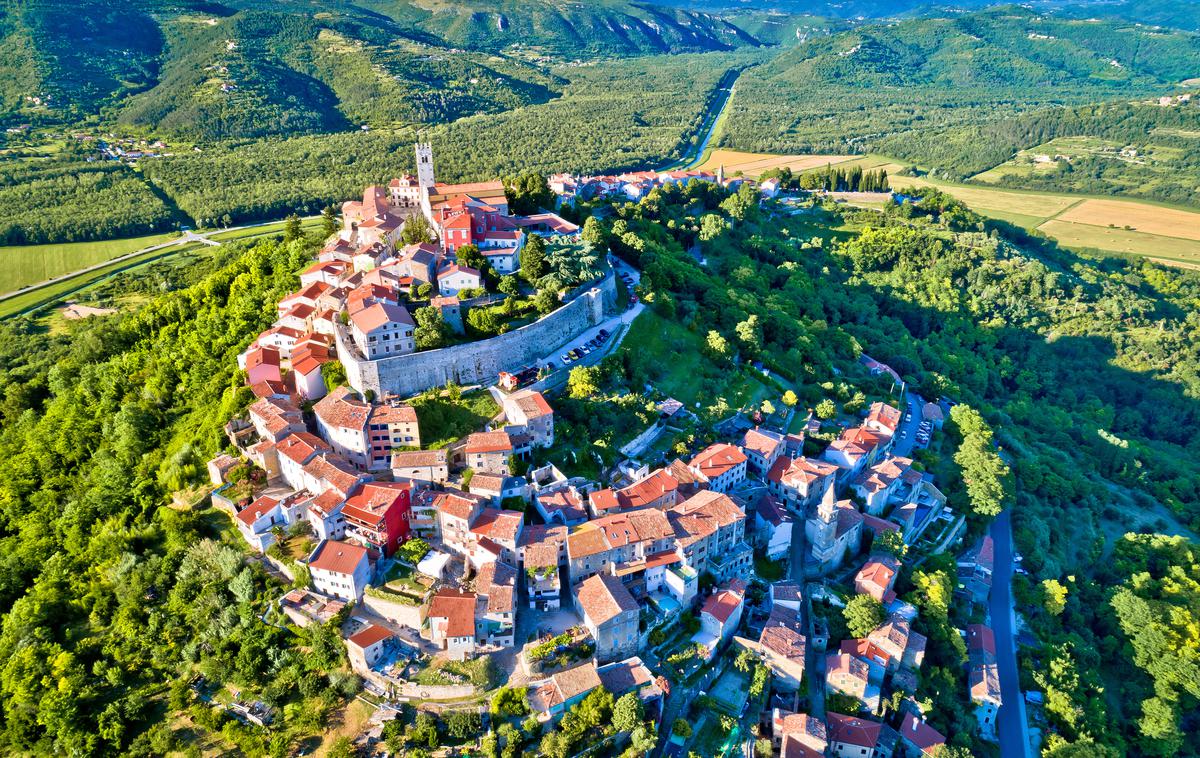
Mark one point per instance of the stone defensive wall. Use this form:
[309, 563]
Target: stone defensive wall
[479, 362]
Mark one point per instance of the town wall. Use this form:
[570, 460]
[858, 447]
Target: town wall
[478, 362]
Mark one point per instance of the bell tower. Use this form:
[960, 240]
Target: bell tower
[424, 152]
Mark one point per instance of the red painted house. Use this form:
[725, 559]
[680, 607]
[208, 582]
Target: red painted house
[377, 515]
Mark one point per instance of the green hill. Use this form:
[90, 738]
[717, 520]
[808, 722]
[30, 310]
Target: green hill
[850, 91]
[68, 58]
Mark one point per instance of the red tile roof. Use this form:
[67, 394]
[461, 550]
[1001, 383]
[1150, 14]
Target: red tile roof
[488, 442]
[602, 598]
[721, 605]
[852, 730]
[339, 557]
[718, 459]
[458, 608]
[372, 634]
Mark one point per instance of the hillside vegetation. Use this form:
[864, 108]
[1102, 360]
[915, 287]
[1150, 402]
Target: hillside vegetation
[247, 68]
[877, 85]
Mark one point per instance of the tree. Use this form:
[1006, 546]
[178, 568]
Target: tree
[749, 336]
[1054, 596]
[593, 233]
[528, 193]
[424, 290]
[509, 701]
[329, 221]
[826, 409]
[417, 230]
[863, 615]
[890, 543]
[984, 472]
[790, 399]
[712, 225]
[717, 346]
[583, 382]
[333, 375]
[532, 259]
[431, 330]
[768, 408]
[545, 301]
[763, 748]
[292, 229]
[508, 285]
[840, 702]
[681, 728]
[469, 255]
[628, 712]
[423, 731]
[413, 550]
[462, 725]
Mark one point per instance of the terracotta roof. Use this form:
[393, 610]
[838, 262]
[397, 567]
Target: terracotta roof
[648, 490]
[786, 591]
[256, 510]
[418, 458]
[884, 415]
[782, 636]
[925, 737]
[488, 482]
[262, 356]
[488, 442]
[499, 524]
[300, 446]
[339, 557]
[497, 581]
[980, 639]
[852, 730]
[718, 459]
[372, 634]
[541, 555]
[532, 403]
[604, 500]
[762, 441]
[335, 471]
[794, 472]
[276, 413]
[866, 649]
[721, 605]
[702, 515]
[389, 413]
[454, 268]
[455, 504]
[771, 510]
[879, 571]
[377, 315]
[844, 663]
[372, 501]
[576, 681]
[883, 474]
[458, 608]
[342, 409]
[603, 598]
[625, 676]
[932, 412]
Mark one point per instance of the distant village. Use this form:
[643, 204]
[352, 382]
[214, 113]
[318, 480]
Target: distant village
[644, 581]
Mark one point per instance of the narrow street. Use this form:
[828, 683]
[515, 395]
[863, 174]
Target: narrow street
[1011, 724]
[813, 663]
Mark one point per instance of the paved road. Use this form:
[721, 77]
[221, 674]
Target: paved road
[1011, 722]
[814, 664]
[694, 156]
[906, 432]
[613, 325]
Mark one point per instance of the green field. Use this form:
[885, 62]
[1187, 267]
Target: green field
[43, 295]
[308, 224]
[23, 265]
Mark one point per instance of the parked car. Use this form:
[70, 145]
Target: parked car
[566, 358]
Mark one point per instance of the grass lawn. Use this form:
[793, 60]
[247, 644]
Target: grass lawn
[65, 287]
[676, 364]
[453, 421]
[22, 265]
[307, 224]
[767, 569]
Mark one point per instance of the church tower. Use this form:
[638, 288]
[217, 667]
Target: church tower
[821, 531]
[721, 175]
[424, 152]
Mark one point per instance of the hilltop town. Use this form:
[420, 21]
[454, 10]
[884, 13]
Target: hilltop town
[745, 589]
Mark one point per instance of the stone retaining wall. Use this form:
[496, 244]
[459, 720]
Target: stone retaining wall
[479, 362]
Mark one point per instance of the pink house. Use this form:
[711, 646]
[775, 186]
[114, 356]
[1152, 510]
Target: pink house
[262, 365]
